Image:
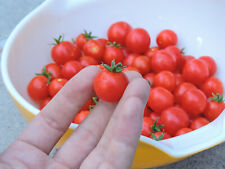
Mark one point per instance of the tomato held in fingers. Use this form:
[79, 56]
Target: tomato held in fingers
[143, 64]
[83, 38]
[55, 86]
[166, 38]
[64, 51]
[118, 32]
[160, 99]
[211, 64]
[173, 119]
[150, 78]
[110, 84]
[54, 69]
[165, 79]
[70, 69]
[129, 59]
[138, 40]
[151, 51]
[183, 131]
[44, 102]
[94, 49]
[38, 88]
[195, 71]
[81, 116]
[199, 122]
[146, 126]
[194, 102]
[179, 79]
[212, 85]
[87, 61]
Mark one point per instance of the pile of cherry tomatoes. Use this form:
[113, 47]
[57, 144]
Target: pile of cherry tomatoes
[185, 95]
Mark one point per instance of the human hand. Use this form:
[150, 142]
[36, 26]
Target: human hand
[106, 139]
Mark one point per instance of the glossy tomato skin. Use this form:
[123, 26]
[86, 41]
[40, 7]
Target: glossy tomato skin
[194, 102]
[64, 52]
[143, 64]
[162, 96]
[195, 71]
[103, 42]
[129, 59]
[212, 85]
[199, 122]
[81, 40]
[181, 89]
[44, 102]
[166, 38]
[55, 86]
[178, 78]
[183, 131]
[150, 77]
[163, 61]
[155, 116]
[94, 49]
[158, 134]
[186, 59]
[110, 86]
[70, 69]
[210, 63]
[113, 53]
[55, 70]
[138, 40]
[176, 52]
[81, 116]
[213, 109]
[118, 32]
[173, 119]
[165, 79]
[87, 61]
[151, 51]
[38, 88]
[146, 126]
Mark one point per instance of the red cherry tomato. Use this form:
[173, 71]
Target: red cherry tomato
[87, 105]
[165, 79]
[159, 133]
[87, 61]
[163, 61]
[128, 60]
[70, 69]
[81, 116]
[44, 102]
[212, 85]
[214, 109]
[199, 122]
[186, 59]
[176, 52]
[211, 64]
[151, 51]
[179, 79]
[118, 32]
[54, 69]
[126, 52]
[143, 64]
[65, 51]
[147, 111]
[166, 38]
[38, 88]
[173, 119]
[94, 49]
[183, 131]
[138, 40]
[181, 89]
[113, 53]
[195, 71]
[155, 116]
[194, 102]
[55, 86]
[162, 96]
[83, 38]
[103, 42]
[146, 126]
[150, 77]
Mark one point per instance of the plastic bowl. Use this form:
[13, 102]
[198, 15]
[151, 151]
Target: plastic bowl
[199, 24]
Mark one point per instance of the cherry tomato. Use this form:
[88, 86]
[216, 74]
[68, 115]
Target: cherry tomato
[94, 49]
[186, 59]
[194, 102]
[173, 119]
[147, 111]
[151, 51]
[87, 61]
[83, 38]
[118, 32]
[181, 89]
[81, 116]
[163, 61]
[126, 52]
[155, 116]
[146, 126]
[195, 71]
[87, 105]
[128, 60]
[64, 51]
[103, 42]
[166, 38]
[55, 86]
[70, 69]
[212, 85]
[165, 79]
[150, 77]
[160, 99]
[199, 122]
[211, 64]
[159, 133]
[143, 64]
[38, 88]
[183, 131]
[54, 69]
[178, 78]
[176, 52]
[138, 40]
[44, 102]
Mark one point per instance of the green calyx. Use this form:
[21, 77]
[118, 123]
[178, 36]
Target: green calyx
[182, 51]
[95, 99]
[217, 97]
[114, 67]
[88, 35]
[58, 40]
[157, 138]
[150, 84]
[46, 74]
[156, 128]
[113, 44]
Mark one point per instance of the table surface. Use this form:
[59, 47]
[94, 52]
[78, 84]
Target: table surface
[12, 123]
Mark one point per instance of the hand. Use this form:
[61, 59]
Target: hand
[107, 138]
